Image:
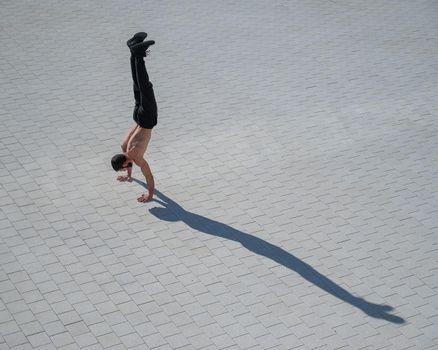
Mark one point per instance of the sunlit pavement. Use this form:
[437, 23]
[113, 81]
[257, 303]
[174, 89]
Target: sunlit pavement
[295, 162]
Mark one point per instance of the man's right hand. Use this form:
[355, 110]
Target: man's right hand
[124, 178]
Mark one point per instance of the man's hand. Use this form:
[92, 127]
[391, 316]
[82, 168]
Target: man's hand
[144, 166]
[145, 197]
[124, 178]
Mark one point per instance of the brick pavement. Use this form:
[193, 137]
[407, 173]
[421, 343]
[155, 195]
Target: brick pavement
[295, 161]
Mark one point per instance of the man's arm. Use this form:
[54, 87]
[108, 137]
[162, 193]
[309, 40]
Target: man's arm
[146, 170]
[125, 141]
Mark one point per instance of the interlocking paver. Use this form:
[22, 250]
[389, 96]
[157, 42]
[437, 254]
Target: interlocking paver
[295, 151]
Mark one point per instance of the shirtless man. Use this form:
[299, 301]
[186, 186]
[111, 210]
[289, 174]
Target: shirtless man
[145, 116]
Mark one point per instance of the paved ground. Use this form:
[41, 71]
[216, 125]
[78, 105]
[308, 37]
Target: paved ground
[295, 161]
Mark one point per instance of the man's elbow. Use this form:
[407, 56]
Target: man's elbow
[146, 170]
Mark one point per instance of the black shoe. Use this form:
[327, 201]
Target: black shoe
[136, 39]
[139, 50]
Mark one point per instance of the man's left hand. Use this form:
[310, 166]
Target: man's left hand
[145, 197]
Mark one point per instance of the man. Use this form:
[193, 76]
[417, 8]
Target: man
[145, 116]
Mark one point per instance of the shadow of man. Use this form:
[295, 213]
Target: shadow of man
[173, 212]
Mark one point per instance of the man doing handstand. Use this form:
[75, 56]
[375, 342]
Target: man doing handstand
[145, 116]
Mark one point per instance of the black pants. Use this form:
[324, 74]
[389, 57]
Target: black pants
[145, 110]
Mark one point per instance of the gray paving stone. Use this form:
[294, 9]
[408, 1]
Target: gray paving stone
[15, 339]
[62, 339]
[31, 328]
[154, 341]
[38, 339]
[301, 161]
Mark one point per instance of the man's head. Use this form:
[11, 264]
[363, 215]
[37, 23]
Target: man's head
[121, 162]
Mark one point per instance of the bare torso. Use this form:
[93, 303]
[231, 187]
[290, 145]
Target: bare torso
[138, 142]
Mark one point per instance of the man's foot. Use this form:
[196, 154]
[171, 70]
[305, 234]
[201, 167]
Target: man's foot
[139, 50]
[136, 39]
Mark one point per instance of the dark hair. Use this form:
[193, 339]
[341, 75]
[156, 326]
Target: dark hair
[117, 161]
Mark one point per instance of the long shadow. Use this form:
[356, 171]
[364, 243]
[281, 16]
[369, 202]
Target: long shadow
[172, 211]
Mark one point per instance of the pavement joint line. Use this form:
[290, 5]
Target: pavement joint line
[295, 171]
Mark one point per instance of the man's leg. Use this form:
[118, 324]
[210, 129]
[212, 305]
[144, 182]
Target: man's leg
[136, 39]
[147, 98]
[135, 82]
